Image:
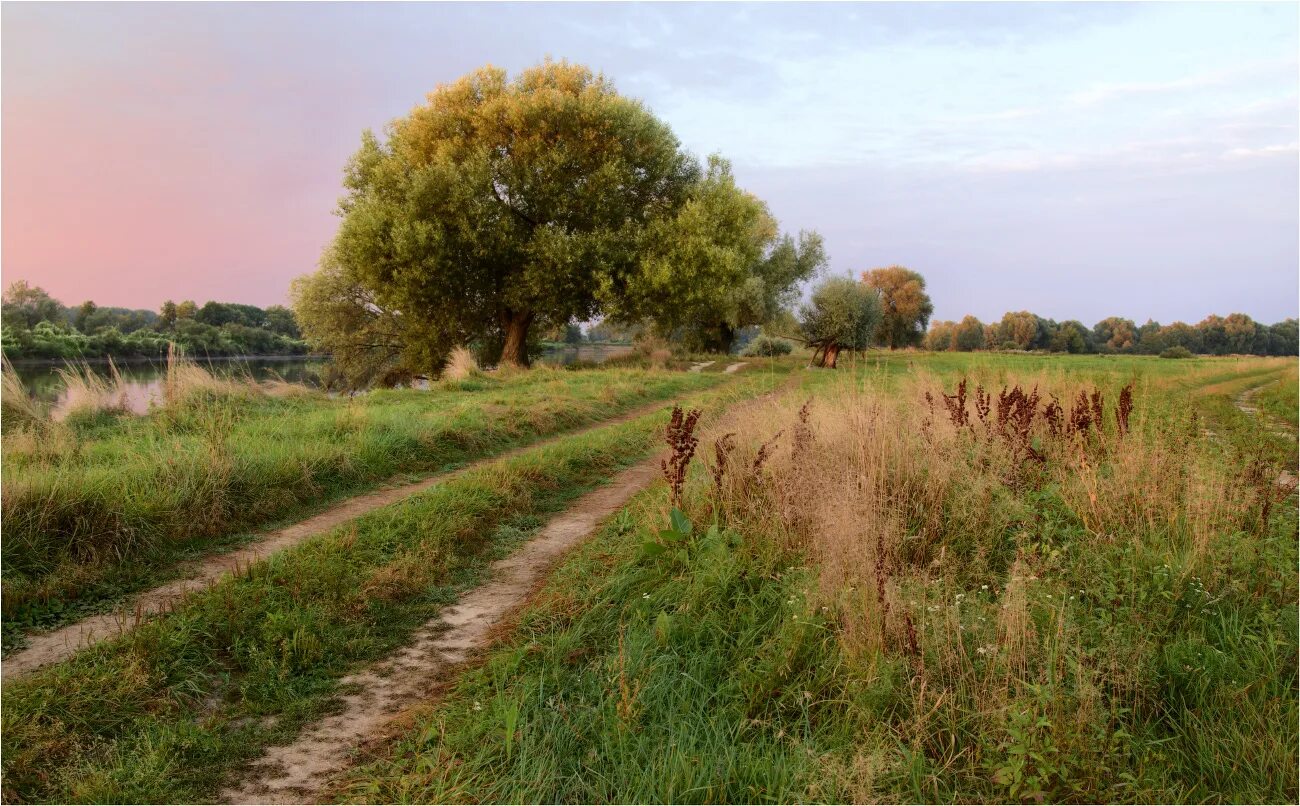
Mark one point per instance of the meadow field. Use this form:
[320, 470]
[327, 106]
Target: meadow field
[918, 577]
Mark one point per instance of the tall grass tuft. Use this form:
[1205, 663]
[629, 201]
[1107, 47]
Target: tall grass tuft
[18, 410]
[186, 384]
[90, 395]
[461, 366]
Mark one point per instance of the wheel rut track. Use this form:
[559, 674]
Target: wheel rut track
[299, 772]
[50, 647]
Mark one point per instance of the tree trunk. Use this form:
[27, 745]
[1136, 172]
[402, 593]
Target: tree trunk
[516, 324]
[827, 356]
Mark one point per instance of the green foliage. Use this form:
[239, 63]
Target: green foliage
[968, 335]
[767, 346]
[1215, 335]
[718, 266]
[842, 315]
[502, 203]
[27, 305]
[1176, 352]
[37, 327]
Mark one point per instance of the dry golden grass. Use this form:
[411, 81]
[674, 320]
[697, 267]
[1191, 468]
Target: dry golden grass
[186, 383]
[461, 366]
[89, 393]
[920, 526]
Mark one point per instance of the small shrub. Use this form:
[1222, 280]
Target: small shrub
[1176, 352]
[767, 346]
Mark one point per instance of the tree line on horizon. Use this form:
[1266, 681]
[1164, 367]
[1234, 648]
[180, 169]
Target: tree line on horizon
[37, 326]
[1235, 334]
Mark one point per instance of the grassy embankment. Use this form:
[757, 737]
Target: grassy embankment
[106, 503]
[897, 607]
[164, 713]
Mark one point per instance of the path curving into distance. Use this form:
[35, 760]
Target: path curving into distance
[43, 649]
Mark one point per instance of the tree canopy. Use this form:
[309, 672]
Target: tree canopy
[841, 315]
[719, 266]
[502, 203]
[906, 306]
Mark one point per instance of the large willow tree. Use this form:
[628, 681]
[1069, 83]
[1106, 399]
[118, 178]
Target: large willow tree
[499, 205]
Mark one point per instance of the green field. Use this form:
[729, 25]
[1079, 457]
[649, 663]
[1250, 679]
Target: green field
[902, 597]
[102, 505]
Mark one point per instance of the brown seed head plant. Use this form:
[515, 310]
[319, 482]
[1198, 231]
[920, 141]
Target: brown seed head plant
[1125, 409]
[722, 448]
[681, 439]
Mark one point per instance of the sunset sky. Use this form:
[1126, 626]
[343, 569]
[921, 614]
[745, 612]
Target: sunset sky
[1078, 161]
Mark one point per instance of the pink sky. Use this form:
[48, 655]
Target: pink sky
[169, 162]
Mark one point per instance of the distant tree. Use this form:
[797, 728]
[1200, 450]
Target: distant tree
[1115, 335]
[186, 310]
[167, 317]
[84, 311]
[1179, 334]
[907, 308]
[572, 334]
[504, 203]
[1148, 338]
[607, 330]
[28, 305]
[1070, 337]
[842, 315]
[940, 335]
[1284, 338]
[1019, 328]
[968, 335]
[1213, 335]
[279, 319]
[1239, 332]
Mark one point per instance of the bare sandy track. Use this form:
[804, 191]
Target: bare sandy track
[735, 367]
[46, 648]
[294, 773]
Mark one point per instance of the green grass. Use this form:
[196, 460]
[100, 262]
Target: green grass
[113, 503]
[637, 682]
[1281, 400]
[718, 672]
[166, 712]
